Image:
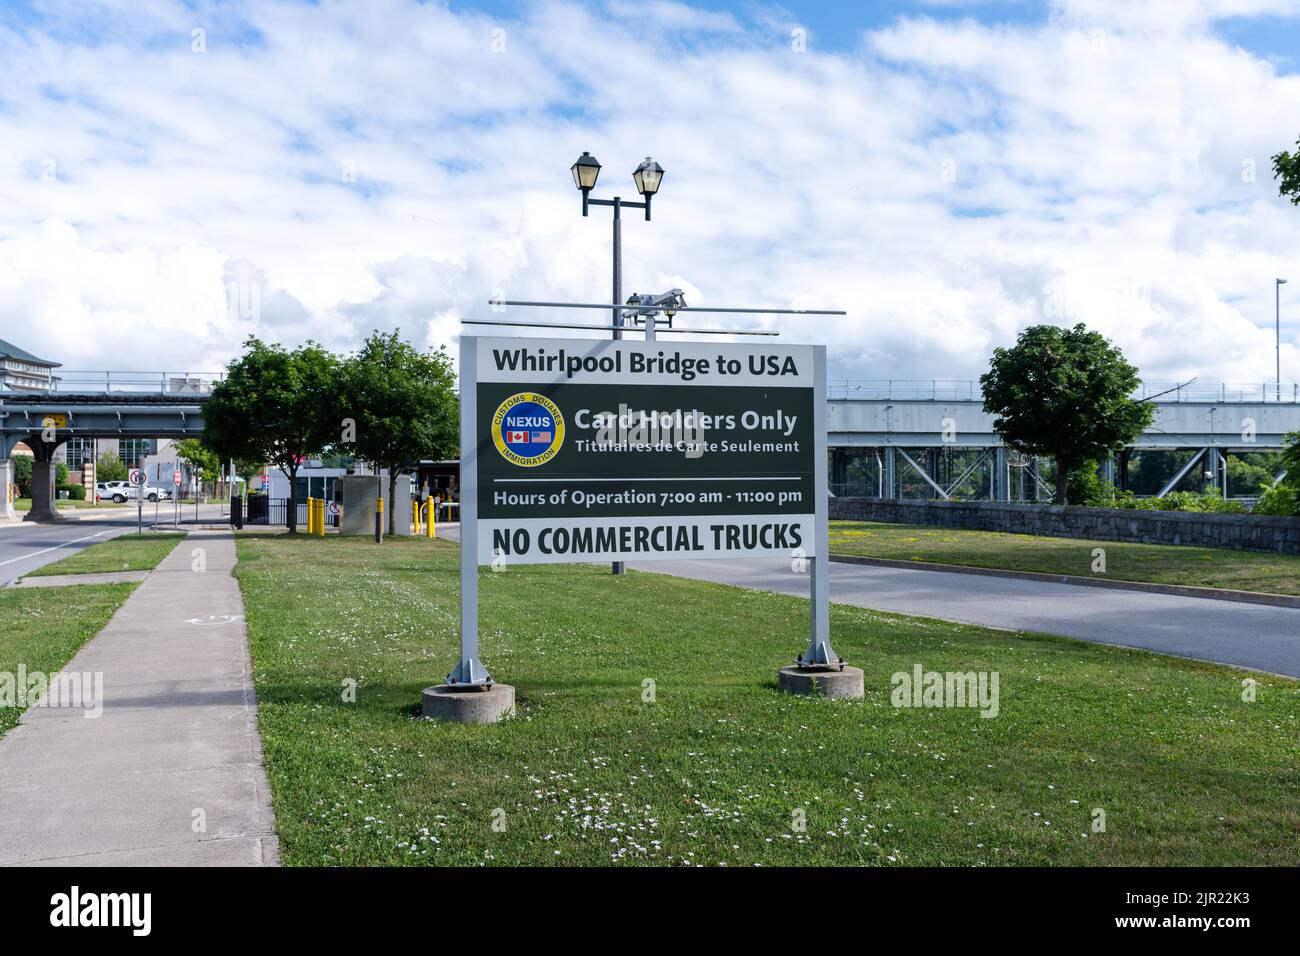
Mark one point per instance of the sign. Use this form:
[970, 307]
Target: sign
[333, 507]
[54, 421]
[630, 451]
[136, 477]
[585, 450]
[176, 477]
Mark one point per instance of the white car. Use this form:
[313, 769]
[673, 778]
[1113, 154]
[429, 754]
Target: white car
[117, 491]
[120, 491]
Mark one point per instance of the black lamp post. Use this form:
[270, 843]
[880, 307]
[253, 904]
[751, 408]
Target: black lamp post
[647, 177]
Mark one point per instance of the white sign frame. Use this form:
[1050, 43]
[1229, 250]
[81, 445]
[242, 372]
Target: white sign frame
[469, 670]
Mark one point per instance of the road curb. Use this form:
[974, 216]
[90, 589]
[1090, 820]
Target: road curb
[1182, 590]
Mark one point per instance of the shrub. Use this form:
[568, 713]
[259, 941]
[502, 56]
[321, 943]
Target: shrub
[75, 492]
[1088, 488]
[1210, 501]
[1281, 499]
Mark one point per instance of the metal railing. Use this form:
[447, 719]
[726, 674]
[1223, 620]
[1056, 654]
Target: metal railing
[968, 390]
[82, 382]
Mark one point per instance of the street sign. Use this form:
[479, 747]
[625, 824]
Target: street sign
[577, 450]
[334, 507]
[619, 451]
[136, 477]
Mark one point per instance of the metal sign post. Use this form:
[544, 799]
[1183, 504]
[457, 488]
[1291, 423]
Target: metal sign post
[137, 482]
[468, 670]
[819, 652]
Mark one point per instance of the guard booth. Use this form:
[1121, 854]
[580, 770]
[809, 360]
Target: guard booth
[357, 496]
[401, 506]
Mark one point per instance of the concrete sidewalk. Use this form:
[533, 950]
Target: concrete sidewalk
[171, 772]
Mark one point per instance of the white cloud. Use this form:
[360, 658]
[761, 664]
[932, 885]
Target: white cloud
[396, 164]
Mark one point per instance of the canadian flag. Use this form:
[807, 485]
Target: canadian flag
[517, 436]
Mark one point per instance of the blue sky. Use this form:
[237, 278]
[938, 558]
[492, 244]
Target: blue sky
[947, 172]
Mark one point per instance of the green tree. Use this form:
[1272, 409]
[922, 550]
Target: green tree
[403, 405]
[1064, 393]
[1286, 167]
[275, 406]
[199, 455]
[1283, 498]
[1252, 475]
[1291, 459]
[23, 475]
[110, 467]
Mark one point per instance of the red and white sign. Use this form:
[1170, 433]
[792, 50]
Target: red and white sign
[136, 477]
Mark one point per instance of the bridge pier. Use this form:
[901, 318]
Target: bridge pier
[8, 487]
[44, 500]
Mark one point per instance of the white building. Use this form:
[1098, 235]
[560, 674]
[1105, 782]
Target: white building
[21, 371]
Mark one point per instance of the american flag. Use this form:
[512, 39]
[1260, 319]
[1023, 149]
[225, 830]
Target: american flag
[542, 436]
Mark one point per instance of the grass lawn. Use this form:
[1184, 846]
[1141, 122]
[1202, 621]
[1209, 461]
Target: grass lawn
[25, 504]
[719, 767]
[1161, 563]
[127, 552]
[43, 629]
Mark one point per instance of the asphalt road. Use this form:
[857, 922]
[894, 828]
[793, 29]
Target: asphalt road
[26, 546]
[1228, 632]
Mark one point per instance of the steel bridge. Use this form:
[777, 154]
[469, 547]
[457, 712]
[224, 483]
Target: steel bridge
[94, 405]
[933, 439]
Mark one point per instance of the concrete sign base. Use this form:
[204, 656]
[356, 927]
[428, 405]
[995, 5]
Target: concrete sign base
[837, 684]
[468, 705]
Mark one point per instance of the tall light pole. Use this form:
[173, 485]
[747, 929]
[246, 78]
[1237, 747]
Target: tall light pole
[647, 177]
[1277, 330]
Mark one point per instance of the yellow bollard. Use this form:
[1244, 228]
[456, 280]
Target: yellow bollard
[311, 515]
[430, 519]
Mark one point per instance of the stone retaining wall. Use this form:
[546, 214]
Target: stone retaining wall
[1242, 532]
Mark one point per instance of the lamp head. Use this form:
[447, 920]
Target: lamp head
[585, 170]
[647, 177]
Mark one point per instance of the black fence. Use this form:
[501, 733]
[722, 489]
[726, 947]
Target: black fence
[261, 510]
